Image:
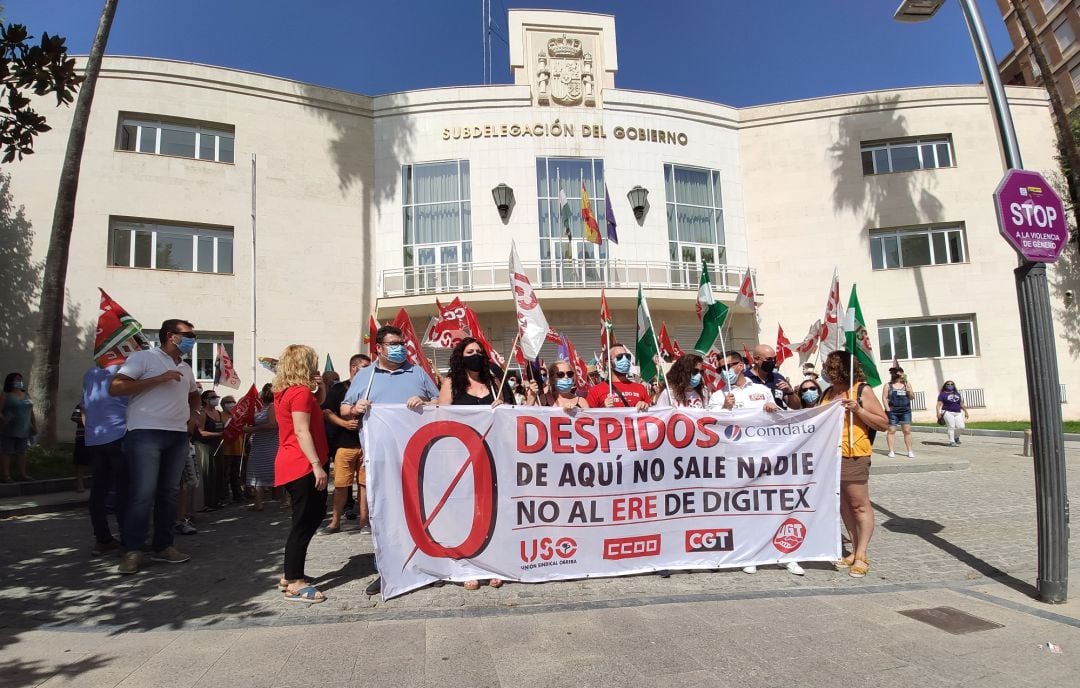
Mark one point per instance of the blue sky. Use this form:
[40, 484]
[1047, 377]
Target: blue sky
[737, 53]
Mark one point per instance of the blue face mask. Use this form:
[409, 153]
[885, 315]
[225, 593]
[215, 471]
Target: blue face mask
[809, 396]
[950, 388]
[730, 376]
[695, 380]
[186, 345]
[621, 365]
[18, 385]
[564, 384]
[395, 353]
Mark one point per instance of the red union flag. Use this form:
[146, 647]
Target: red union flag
[373, 328]
[783, 346]
[532, 325]
[666, 346]
[412, 345]
[472, 326]
[449, 327]
[118, 334]
[243, 414]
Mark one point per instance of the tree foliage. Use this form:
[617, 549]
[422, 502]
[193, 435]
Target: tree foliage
[27, 68]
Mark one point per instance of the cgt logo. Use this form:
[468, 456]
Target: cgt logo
[789, 536]
[733, 432]
[711, 540]
[629, 547]
[546, 549]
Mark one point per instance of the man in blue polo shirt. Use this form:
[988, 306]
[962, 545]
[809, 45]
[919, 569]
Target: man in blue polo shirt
[391, 379]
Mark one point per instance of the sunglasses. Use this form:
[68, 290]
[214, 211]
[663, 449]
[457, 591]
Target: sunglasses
[185, 335]
[620, 357]
[564, 373]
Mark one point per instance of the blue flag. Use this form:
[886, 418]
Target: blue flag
[612, 235]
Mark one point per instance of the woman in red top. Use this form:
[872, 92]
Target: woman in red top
[298, 466]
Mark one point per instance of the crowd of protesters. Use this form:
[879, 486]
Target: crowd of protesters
[159, 451]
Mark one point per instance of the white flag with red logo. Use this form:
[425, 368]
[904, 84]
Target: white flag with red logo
[746, 298]
[532, 325]
[831, 337]
[808, 346]
[226, 376]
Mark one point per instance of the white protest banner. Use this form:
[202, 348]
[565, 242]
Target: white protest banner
[534, 494]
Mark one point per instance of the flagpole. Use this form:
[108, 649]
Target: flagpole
[506, 368]
[254, 272]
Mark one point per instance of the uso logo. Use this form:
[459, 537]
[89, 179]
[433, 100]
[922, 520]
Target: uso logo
[628, 547]
[732, 432]
[711, 540]
[546, 548]
[789, 536]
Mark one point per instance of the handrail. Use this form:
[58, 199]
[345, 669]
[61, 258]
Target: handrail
[557, 274]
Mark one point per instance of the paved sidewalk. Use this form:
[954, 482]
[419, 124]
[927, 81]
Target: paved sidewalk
[961, 538]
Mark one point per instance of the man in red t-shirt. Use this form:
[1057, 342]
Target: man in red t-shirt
[621, 392]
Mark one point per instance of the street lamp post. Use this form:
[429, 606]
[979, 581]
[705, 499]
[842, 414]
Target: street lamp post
[1036, 332]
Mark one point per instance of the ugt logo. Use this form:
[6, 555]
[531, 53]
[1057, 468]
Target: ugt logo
[546, 549]
[789, 536]
[732, 432]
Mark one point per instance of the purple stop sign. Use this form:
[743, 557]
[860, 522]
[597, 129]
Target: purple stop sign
[1031, 216]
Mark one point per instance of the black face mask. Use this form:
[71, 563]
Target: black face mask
[768, 365]
[475, 362]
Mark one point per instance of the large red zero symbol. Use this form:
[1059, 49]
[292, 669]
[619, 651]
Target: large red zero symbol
[485, 489]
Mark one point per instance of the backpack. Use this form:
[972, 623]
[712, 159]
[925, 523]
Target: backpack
[870, 432]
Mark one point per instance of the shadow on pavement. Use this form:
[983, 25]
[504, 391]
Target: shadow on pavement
[928, 530]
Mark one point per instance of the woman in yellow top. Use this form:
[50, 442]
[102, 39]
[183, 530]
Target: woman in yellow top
[864, 414]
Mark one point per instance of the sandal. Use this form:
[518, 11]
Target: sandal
[283, 584]
[472, 585]
[859, 568]
[844, 562]
[307, 594]
[495, 582]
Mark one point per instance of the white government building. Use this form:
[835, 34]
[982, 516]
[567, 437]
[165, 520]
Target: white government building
[366, 203]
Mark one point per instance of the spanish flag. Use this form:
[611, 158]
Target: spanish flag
[592, 228]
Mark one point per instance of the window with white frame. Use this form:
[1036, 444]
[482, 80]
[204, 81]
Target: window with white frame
[945, 337]
[212, 142]
[1064, 33]
[1048, 5]
[137, 243]
[882, 157]
[437, 224]
[695, 220]
[917, 246]
[567, 257]
[204, 358]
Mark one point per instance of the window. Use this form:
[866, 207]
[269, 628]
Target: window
[437, 221]
[1048, 5]
[695, 220]
[190, 140]
[1064, 34]
[1074, 74]
[904, 156]
[909, 248]
[567, 258]
[204, 358]
[947, 337]
[160, 246]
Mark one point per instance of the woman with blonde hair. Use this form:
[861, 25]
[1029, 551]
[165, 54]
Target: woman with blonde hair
[299, 466]
[864, 414]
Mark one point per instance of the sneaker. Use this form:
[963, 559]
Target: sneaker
[749, 569]
[365, 530]
[892, 455]
[794, 568]
[103, 548]
[911, 455]
[185, 528]
[958, 441]
[130, 563]
[954, 444]
[170, 555]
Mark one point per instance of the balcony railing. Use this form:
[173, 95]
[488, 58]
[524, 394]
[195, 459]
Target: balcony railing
[557, 274]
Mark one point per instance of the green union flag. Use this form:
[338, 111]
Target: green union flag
[645, 351]
[711, 313]
[857, 340]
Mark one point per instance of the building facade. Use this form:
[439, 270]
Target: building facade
[270, 212]
[1056, 24]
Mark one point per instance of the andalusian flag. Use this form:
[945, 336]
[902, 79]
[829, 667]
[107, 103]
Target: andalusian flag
[646, 339]
[857, 340]
[329, 367]
[592, 227]
[711, 313]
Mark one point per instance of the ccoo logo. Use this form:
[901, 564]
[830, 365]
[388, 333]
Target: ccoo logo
[789, 536]
[732, 432]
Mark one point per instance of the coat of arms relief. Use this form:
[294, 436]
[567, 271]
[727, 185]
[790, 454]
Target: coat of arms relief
[564, 73]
